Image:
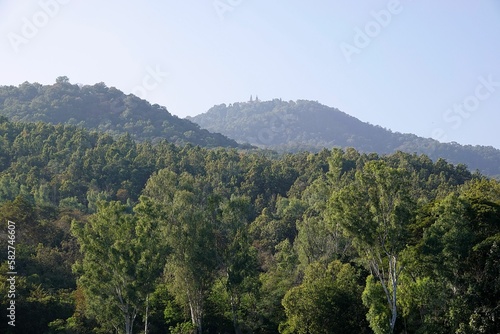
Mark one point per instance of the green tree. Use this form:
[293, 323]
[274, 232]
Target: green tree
[121, 261]
[379, 315]
[188, 214]
[278, 278]
[375, 210]
[327, 301]
[319, 238]
[238, 259]
[451, 280]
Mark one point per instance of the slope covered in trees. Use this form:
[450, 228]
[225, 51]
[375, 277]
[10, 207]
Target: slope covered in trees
[114, 236]
[101, 108]
[306, 125]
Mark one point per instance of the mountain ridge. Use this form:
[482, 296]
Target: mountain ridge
[309, 125]
[102, 108]
[277, 125]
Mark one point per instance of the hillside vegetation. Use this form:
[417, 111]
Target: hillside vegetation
[112, 235]
[307, 125]
[101, 108]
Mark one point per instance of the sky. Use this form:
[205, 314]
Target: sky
[431, 68]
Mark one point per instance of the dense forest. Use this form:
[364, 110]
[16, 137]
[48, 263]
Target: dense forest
[306, 125]
[276, 125]
[115, 235]
[99, 107]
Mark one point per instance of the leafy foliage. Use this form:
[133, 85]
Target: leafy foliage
[185, 239]
[306, 125]
[102, 108]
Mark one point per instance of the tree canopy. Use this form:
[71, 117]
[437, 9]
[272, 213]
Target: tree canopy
[116, 235]
[102, 108]
[302, 125]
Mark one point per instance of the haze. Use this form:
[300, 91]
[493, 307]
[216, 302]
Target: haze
[429, 68]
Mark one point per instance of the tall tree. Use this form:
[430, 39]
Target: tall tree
[375, 210]
[327, 301]
[188, 214]
[121, 261]
[238, 259]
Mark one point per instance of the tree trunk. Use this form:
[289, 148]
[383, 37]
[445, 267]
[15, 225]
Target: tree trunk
[391, 283]
[146, 321]
[128, 325]
[393, 275]
[129, 322]
[195, 308]
[237, 329]
[191, 310]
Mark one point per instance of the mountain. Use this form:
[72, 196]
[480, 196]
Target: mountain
[307, 125]
[102, 108]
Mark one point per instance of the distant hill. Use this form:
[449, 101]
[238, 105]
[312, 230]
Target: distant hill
[102, 108]
[307, 125]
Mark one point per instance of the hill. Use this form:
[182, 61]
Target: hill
[282, 234]
[307, 125]
[102, 108]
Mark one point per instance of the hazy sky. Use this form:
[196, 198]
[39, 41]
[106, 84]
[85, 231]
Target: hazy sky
[427, 67]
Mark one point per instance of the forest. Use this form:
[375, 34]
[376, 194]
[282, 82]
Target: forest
[282, 126]
[102, 108]
[294, 126]
[115, 235]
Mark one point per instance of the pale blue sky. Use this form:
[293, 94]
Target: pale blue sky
[418, 65]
